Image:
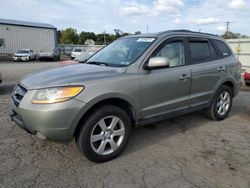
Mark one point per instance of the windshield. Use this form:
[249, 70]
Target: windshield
[22, 51]
[122, 52]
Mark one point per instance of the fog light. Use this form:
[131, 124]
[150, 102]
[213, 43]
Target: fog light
[40, 135]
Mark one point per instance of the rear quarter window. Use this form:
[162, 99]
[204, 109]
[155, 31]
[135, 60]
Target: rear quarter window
[224, 51]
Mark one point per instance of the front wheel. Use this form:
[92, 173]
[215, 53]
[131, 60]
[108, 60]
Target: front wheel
[221, 104]
[105, 133]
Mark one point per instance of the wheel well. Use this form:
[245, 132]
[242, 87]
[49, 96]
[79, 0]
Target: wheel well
[124, 105]
[229, 84]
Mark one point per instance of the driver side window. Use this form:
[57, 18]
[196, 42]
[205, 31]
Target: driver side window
[174, 52]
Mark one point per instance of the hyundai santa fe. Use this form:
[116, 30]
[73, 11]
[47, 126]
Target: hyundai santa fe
[136, 80]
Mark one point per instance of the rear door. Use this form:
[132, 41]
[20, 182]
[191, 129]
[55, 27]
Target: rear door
[206, 68]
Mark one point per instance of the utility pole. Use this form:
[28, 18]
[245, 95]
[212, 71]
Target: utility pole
[147, 29]
[227, 25]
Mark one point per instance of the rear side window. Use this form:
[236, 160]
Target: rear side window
[199, 51]
[222, 47]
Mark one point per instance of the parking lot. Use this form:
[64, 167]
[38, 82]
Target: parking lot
[187, 151]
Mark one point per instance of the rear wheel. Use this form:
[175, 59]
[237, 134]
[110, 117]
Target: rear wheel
[221, 104]
[247, 84]
[105, 133]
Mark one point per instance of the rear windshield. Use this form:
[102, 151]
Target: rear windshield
[77, 50]
[48, 50]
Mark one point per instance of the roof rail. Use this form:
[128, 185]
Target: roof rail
[185, 31]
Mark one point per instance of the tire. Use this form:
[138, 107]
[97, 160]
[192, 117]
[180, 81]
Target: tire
[247, 84]
[221, 104]
[95, 125]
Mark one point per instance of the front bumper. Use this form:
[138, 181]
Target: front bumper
[25, 58]
[55, 122]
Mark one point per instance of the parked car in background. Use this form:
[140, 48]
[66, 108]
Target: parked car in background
[134, 81]
[247, 78]
[49, 53]
[24, 55]
[81, 58]
[76, 52]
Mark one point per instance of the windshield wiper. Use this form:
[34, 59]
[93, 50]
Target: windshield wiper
[97, 63]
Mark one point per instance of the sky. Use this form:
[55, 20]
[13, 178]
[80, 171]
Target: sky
[133, 15]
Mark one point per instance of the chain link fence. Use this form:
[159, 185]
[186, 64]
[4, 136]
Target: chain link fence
[66, 49]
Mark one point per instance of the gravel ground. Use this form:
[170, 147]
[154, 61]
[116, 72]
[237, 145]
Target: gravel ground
[187, 151]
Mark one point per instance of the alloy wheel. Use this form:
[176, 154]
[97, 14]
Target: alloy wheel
[223, 103]
[107, 135]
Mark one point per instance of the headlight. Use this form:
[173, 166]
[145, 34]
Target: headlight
[55, 95]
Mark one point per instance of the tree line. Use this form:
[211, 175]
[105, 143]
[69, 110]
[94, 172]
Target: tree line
[231, 35]
[71, 36]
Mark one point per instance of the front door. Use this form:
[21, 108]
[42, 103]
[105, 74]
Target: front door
[166, 90]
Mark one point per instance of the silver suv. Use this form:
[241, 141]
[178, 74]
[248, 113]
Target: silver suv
[134, 81]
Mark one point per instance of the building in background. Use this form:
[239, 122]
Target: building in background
[16, 35]
[89, 42]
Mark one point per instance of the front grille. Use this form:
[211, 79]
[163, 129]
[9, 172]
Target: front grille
[18, 94]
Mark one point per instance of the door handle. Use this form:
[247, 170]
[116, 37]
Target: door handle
[221, 69]
[184, 77]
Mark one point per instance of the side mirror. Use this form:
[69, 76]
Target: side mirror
[157, 63]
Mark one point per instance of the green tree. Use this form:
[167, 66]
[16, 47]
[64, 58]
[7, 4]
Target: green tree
[231, 35]
[69, 36]
[125, 34]
[137, 32]
[100, 39]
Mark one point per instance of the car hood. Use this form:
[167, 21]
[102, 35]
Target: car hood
[75, 74]
[21, 54]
